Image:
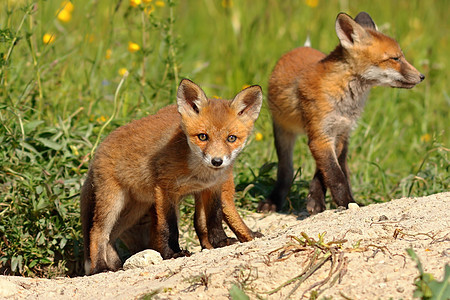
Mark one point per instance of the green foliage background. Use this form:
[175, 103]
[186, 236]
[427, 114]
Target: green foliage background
[58, 99]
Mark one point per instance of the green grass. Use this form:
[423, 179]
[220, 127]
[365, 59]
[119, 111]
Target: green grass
[55, 98]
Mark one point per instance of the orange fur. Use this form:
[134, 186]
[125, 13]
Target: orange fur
[143, 170]
[323, 96]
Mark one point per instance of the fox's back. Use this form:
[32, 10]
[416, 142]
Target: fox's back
[290, 66]
[144, 137]
[294, 69]
[133, 155]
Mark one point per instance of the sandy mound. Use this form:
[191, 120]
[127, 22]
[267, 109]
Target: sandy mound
[368, 260]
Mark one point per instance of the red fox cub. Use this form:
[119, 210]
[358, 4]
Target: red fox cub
[323, 96]
[143, 170]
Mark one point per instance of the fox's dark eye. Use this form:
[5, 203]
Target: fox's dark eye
[202, 137]
[231, 138]
[395, 58]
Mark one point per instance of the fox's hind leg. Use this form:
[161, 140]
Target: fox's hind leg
[108, 206]
[284, 144]
[136, 229]
[87, 205]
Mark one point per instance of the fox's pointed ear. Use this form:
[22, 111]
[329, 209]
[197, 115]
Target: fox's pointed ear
[348, 31]
[248, 102]
[365, 21]
[190, 98]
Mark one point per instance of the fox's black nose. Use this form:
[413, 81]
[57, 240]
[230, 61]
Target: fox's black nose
[422, 77]
[216, 161]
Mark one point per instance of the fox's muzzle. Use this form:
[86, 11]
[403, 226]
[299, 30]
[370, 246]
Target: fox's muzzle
[216, 161]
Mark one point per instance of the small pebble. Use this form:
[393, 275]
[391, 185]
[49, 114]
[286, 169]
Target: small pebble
[143, 259]
[353, 206]
[382, 218]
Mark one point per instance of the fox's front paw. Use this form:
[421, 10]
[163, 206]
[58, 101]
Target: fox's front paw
[103, 266]
[257, 234]
[266, 206]
[314, 206]
[225, 242]
[182, 253]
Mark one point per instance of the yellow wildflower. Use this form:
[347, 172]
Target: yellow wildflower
[123, 71]
[74, 150]
[312, 3]
[90, 38]
[216, 97]
[101, 119]
[135, 3]
[245, 86]
[425, 138]
[48, 38]
[160, 3]
[149, 9]
[258, 136]
[67, 6]
[146, 1]
[108, 53]
[227, 3]
[133, 47]
[64, 16]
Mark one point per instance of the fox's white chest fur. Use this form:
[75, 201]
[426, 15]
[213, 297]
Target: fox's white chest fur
[201, 178]
[346, 109]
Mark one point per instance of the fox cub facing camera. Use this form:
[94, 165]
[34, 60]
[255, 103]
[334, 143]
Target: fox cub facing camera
[323, 96]
[142, 171]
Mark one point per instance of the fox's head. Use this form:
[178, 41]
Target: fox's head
[217, 129]
[374, 56]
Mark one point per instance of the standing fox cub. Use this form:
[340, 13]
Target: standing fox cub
[143, 170]
[323, 96]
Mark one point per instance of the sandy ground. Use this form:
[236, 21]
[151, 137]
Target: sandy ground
[368, 261]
